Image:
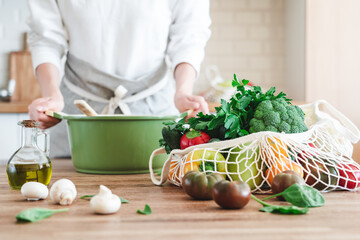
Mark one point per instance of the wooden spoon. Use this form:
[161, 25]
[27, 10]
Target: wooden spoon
[85, 108]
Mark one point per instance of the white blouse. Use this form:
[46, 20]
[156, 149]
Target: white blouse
[128, 38]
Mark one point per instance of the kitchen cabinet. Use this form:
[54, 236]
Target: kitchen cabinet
[174, 214]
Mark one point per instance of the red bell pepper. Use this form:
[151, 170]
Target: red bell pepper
[192, 138]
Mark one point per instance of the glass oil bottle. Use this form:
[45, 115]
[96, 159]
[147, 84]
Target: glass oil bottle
[30, 163]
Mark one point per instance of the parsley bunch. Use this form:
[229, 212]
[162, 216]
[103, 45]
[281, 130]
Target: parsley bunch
[235, 114]
[232, 117]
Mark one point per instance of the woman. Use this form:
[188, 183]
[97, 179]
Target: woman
[118, 55]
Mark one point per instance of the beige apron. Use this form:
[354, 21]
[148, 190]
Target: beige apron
[149, 94]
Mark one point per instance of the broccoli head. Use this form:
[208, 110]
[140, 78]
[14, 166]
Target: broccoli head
[277, 116]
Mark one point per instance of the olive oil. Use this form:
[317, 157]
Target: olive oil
[18, 174]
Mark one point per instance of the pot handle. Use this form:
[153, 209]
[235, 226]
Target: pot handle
[58, 115]
[165, 169]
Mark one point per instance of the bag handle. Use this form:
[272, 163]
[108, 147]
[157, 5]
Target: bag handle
[343, 124]
[165, 169]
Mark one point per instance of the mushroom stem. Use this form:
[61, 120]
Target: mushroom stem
[66, 198]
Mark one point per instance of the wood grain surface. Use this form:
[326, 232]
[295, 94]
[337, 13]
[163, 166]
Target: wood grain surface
[27, 88]
[14, 107]
[175, 215]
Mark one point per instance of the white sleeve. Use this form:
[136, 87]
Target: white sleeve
[189, 32]
[47, 37]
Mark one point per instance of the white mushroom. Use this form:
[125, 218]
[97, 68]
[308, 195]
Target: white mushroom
[105, 202]
[63, 192]
[34, 191]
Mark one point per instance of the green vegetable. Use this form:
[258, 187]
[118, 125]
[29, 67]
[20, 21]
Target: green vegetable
[37, 214]
[279, 209]
[232, 118]
[172, 132]
[301, 196]
[284, 209]
[147, 210]
[246, 164]
[88, 197]
[171, 136]
[277, 115]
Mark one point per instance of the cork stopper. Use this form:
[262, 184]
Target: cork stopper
[29, 123]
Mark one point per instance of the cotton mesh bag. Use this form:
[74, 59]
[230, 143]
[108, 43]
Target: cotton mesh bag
[322, 155]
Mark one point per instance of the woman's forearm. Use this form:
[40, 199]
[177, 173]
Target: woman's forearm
[185, 76]
[48, 77]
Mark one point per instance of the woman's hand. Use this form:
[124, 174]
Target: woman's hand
[48, 77]
[185, 102]
[38, 108]
[185, 76]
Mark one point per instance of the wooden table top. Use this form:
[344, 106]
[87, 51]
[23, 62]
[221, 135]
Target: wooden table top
[175, 215]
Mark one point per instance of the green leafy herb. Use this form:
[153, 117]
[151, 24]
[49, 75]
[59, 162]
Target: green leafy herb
[37, 214]
[301, 196]
[147, 210]
[284, 209]
[288, 209]
[232, 118]
[123, 200]
[88, 197]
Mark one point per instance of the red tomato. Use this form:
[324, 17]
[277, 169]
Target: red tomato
[192, 138]
[350, 176]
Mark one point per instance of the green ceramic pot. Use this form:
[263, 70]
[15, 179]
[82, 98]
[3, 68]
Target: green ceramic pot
[114, 144]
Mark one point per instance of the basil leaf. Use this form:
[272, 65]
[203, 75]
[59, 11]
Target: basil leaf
[147, 210]
[88, 197]
[284, 209]
[37, 214]
[303, 196]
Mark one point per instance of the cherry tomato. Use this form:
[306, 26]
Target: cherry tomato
[284, 180]
[192, 138]
[199, 185]
[232, 195]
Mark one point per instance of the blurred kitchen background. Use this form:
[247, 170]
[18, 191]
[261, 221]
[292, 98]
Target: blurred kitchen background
[309, 49]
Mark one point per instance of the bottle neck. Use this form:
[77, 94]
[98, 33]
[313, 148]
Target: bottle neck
[28, 136]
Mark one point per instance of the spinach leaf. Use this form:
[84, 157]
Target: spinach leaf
[301, 196]
[284, 209]
[37, 214]
[88, 197]
[280, 209]
[147, 210]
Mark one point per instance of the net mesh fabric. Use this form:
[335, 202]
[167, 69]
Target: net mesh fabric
[321, 155]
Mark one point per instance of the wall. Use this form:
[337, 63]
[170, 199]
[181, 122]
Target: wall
[295, 49]
[13, 15]
[333, 55]
[247, 39]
